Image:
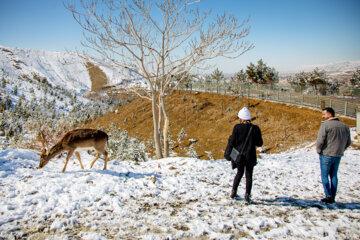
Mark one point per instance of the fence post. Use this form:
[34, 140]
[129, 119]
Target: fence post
[358, 123]
[322, 104]
[345, 112]
[278, 94]
[318, 100]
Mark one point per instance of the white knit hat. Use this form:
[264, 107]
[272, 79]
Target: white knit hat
[244, 114]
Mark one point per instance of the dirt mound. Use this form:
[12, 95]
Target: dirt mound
[208, 119]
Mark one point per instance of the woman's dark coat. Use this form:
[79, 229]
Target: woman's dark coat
[237, 140]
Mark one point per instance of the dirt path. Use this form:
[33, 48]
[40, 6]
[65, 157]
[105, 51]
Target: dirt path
[97, 76]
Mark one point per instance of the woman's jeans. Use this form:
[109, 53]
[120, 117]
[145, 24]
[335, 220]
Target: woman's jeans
[329, 167]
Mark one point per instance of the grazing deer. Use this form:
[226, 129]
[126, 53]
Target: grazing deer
[74, 140]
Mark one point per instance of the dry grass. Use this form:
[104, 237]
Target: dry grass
[209, 118]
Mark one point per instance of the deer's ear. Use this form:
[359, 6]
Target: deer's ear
[43, 151]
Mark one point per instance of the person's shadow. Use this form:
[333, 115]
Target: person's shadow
[294, 202]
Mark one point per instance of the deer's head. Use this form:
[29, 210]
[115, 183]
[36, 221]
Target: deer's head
[44, 159]
[43, 154]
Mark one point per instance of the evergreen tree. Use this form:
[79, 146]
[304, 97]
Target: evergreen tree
[192, 152]
[208, 80]
[318, 79]
[334, 87]
[2, 105]
[53, 115]
[261, 73]
[74, 98]
[123, 148]
[300, 79]
[3, 83]
[45, 89]
[181, 135]
[32, 92]
[15, 90]
[355, 78]
[218, 76]
[8, 102]
[241, 77]
[241, 81]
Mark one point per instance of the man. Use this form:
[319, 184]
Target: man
[333, 138]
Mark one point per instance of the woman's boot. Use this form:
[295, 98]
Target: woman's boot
[248, 198]
[233, 194]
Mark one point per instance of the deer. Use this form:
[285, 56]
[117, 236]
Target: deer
[76, 140]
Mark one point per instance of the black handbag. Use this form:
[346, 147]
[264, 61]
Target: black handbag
[235, 155]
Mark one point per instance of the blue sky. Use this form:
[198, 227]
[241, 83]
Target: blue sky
[287, 34]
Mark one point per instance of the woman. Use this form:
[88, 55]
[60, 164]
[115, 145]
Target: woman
[237, 140]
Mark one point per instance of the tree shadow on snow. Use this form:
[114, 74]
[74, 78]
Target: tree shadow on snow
[139, 175]
[293, 202]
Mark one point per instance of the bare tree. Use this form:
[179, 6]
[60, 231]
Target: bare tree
[158, 40]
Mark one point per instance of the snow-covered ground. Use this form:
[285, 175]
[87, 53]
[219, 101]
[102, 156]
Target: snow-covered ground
[175, 198]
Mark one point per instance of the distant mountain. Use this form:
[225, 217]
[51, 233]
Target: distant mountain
[67, 70]
[333, 68]
[339, 71]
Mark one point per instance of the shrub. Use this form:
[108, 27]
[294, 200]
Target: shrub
[123, 148]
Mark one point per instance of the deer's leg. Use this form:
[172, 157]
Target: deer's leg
[77, 154]
[97, 156]
[101, 150]
[106, 156]
[70, 153]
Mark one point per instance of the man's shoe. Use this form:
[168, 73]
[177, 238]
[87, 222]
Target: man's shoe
[328, 200]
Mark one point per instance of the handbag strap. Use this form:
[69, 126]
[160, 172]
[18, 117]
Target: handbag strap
[247, 137]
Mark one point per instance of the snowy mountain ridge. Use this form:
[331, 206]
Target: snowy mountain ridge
[42, 89]
[332, 68]
[67, 70]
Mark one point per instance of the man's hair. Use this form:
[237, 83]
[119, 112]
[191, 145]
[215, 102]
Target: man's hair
[329, 110]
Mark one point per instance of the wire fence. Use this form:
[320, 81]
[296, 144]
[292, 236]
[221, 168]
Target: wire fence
[304, 96]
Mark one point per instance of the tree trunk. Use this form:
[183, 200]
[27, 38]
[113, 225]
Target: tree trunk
[156, 129]
[160, 115]
[166, 127]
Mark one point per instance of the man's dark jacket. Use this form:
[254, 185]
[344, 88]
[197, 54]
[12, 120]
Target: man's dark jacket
[237, 140]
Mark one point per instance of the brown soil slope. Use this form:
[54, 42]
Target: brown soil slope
[209, 118]
[98, 77]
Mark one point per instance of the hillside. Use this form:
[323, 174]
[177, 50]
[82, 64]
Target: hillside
[209, 119]
[66, 79]
[64, 69]
[333, 68]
